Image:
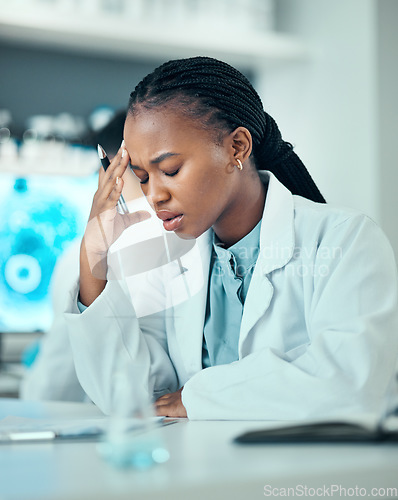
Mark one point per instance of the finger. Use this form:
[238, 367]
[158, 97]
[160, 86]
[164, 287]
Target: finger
[116, 190]
[117, 166]
[133, 217]
[122, 163]
[101, 174]
[112, 188]
[163, 407]
[110, 191]
[160, 402]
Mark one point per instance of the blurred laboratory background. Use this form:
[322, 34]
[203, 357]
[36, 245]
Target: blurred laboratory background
[326, 71]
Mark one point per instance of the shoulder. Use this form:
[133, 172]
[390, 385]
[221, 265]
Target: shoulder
[321, 225]
[321, 218]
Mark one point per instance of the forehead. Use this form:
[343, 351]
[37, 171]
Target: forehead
[156, 129]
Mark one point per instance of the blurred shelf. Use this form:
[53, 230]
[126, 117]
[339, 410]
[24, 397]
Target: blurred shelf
[28, 168]
[72, 161]
[13, 345]
[115, 36]
[9, 385]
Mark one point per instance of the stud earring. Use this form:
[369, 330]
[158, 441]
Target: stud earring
[239, 165]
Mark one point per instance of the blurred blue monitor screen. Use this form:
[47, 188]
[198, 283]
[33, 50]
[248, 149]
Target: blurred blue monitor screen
[40, 217]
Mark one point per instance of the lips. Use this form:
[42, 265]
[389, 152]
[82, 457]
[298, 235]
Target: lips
[165, 214]
[171, 220]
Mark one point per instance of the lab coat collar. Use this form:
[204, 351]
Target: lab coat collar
[276, 249]
[277, 227]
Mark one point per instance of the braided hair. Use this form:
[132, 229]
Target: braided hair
[218, 96]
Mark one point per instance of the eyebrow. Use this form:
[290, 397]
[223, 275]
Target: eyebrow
[158, 159]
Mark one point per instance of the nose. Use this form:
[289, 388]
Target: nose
[156, 192]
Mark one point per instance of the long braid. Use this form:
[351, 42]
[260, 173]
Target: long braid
[222, 97]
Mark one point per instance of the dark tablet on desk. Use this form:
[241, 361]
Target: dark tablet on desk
[320, 432]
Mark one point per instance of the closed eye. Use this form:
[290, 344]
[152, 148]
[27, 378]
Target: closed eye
[171, 174]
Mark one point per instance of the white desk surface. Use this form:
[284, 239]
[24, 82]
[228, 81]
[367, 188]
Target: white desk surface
[204, 464]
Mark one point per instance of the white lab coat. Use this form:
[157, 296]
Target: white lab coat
[319, 332]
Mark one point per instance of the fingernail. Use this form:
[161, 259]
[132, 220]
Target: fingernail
[117, 180]
[123, 153]
[122, 144]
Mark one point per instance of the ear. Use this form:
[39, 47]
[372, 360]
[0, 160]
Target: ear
[241, 144]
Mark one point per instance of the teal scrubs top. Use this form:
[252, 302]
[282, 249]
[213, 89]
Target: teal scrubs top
[230, 275]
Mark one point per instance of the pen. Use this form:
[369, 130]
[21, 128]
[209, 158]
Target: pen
[34, 436]
[121, 204]
[88, 433]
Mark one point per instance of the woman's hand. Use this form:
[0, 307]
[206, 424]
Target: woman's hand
[170, 405]
[104, 227]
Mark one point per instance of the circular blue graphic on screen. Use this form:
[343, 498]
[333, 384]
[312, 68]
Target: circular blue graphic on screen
[22, 273]
[39, 218]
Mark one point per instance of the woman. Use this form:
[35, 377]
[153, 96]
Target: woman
[297, 316]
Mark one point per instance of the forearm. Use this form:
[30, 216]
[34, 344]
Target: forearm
[108, 340]
[267, 386]
[91, 286]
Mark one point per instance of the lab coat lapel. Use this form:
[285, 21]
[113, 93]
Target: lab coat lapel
[276, 249]
[188, 302]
